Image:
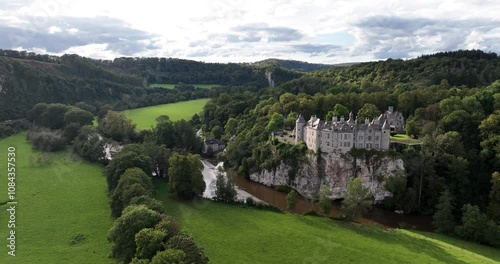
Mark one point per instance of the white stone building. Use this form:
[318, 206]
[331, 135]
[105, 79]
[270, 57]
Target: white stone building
[344, 135]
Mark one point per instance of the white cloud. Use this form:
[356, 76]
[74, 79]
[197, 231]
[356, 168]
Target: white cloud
[240, 30]
[54, 29]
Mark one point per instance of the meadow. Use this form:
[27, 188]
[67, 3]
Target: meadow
[145, 117]
[404, 139]
[232, 234]
[172, 85]
[62, 212]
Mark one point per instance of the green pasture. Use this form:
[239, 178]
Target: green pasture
[62, 213]
[232, 234]
[145, 117]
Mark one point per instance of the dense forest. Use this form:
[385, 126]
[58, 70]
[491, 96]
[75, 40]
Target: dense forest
[295, 65]
[451, 102]
[460, 68]
[27, 78]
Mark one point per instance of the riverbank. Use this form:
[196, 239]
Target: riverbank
[233, 234]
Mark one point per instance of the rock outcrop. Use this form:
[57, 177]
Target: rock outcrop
[334, 170]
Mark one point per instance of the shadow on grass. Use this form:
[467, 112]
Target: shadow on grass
[421, 246]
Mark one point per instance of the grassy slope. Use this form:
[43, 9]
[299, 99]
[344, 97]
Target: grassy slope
[55, 202]
[145, 117]
[404, 139]
[230, 234]
[172, 85]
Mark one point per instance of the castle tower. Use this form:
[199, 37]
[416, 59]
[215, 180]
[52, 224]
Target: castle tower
[299, 129]
[385, 139]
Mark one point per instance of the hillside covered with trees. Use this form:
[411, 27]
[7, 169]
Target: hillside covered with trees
[451, 102]
[28, 78]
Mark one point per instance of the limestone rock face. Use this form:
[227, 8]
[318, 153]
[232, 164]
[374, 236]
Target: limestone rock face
[334, 170]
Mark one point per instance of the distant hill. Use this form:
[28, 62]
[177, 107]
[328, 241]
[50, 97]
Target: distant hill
[171, 70]
[27, 79]
[297, 65]
[468, 68]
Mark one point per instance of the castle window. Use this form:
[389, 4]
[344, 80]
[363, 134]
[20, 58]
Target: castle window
[360, 145]
[360, 137]
[345, 136]
[369, 138]
[376, 137]
[376, 145]
[328, 144]
[348, 144]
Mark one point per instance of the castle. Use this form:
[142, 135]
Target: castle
[344, 135]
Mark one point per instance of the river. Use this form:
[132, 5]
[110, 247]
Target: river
[378, 215]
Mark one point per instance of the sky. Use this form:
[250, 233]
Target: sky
[319, 31]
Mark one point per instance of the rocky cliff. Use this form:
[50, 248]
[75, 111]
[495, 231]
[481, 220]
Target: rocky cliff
[334, 170]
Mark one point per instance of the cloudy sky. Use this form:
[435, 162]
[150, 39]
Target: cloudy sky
[324, 31]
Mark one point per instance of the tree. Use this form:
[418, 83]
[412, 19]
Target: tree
[494, 205]
[133, 183]
[169, 256]
[357, 200]
[55, 116]
[224, 188]
[89, 145]
[442, 220]
[217, 132]
[159, 155]
[397, 187]
[45, 139]
[149, 241]
[148, 201]
[325, 204]
[116, 126]
[231, 126]
[369, 111]
[129, 157]
[185, 177]
[474, 223]
[194, 254]
[171, 227]
[291, 200]
[275, 123]
[78, 116]
[122, 233]
[490, 143]
[340, 111]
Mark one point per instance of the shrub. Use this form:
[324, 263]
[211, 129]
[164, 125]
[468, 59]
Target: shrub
[250, 202]
[46, 140]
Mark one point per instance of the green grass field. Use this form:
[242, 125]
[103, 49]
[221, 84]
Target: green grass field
[172, 85]
[58, 199]
[231, 234]
[404, 139]
[145, 117]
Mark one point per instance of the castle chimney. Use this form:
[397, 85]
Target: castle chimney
[391, 109]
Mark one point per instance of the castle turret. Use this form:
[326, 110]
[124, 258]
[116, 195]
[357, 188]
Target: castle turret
[367, 121]
[351, 118]
[299, 128]
[342, 119]
[334, 119]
